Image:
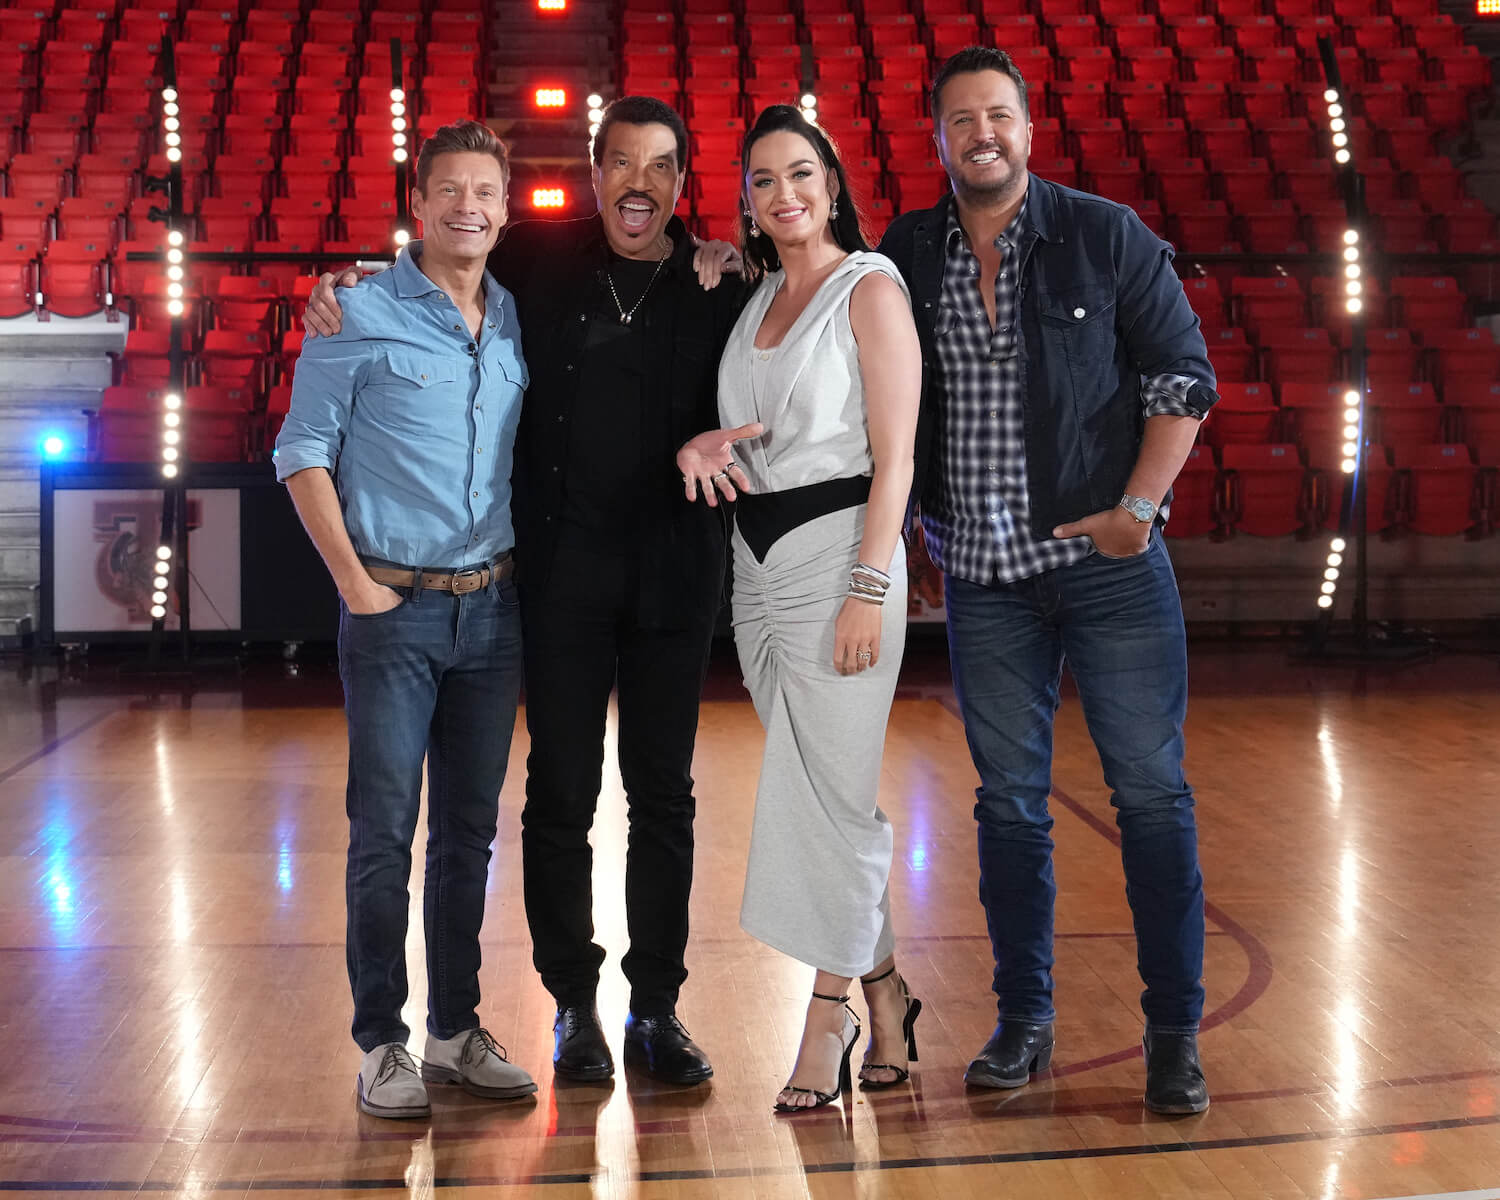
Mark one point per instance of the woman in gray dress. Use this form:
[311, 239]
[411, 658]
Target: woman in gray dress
[825, 359]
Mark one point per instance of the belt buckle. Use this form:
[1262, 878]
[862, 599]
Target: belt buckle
[469, 580]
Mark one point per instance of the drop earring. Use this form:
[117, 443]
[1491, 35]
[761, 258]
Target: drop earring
[754, 228]
[833, 211]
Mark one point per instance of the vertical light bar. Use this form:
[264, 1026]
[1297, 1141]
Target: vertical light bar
[1352, 449]
[398, 143]
[171, 436]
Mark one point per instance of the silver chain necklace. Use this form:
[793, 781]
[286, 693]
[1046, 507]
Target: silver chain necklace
[609, 279]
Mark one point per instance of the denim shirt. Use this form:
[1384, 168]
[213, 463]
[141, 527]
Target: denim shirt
[1101, 312]
[415, 419]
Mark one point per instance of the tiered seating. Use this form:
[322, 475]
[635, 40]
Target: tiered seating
[1204, 114]
[285, 129]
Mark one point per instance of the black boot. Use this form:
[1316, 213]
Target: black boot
[1014, 1051]
[581, 1053]
[1174, 1077]
[664, 1050]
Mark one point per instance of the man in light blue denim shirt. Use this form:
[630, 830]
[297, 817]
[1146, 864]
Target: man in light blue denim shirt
[397, 453]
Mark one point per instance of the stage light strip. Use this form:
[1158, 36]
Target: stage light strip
[160, 582]
[171, 434]
[595, 112]
[810, 107]
[398, 143]
[1354, 401]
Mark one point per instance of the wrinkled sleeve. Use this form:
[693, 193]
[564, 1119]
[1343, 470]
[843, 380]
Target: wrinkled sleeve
[330, 371]
[1160, 329]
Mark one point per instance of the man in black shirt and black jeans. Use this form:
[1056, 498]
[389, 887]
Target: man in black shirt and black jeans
[620, 579]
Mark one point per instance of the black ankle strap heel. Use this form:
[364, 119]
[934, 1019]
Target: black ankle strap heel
[908, 1030]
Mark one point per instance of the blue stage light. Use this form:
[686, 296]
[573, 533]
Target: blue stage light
[54, 447]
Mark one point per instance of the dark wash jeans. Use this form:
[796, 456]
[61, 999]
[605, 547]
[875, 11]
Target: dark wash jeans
[436, 678]
[1118, 624]
[584, 639]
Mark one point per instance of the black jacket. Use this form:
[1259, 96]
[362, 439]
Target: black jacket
[555, 269]
[1082, 379]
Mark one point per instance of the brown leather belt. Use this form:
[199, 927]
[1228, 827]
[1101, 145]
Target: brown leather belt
[459, 583]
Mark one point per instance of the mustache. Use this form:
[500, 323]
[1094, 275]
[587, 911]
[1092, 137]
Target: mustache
[634, 195]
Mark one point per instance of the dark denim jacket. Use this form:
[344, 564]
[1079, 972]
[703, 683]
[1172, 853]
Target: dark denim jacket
[1083, 378]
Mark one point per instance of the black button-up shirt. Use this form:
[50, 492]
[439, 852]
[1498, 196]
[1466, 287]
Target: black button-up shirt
[556, 271]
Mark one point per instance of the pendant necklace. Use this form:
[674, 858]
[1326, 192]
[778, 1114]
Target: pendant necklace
[609, 279]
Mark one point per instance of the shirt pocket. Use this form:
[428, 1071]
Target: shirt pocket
[408, 390]
[513, 367]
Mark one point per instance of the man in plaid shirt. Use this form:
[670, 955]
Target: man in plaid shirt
[1066, 377]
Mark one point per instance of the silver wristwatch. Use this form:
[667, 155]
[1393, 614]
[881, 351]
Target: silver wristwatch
[1140, 508]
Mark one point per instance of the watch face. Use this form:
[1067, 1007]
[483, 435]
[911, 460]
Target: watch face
[1141, 510]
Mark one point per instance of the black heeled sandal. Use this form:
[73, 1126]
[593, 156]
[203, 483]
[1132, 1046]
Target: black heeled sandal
[908, 1030]
[845, 1081]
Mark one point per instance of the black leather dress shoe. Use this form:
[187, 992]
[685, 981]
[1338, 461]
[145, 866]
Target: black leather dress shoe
[581, 1052]
[663, 1049]
[1014, 1051]
[1174, 1076]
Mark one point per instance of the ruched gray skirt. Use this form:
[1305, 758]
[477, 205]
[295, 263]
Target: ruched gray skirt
[816, 886]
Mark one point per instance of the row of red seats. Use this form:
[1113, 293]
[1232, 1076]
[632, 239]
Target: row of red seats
[1455, 65]
[98, 21]
[1271, 491]
[220, 424]
[1108, 10]
[1311, 414]
[1282, 355]
[1443, 106]
[1137, 29]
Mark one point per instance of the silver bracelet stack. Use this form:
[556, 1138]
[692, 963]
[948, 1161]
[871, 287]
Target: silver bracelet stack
[868, 583]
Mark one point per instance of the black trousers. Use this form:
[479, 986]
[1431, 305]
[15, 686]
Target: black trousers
[582, 639]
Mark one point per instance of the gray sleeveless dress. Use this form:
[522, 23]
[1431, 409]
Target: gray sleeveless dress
[820, 850]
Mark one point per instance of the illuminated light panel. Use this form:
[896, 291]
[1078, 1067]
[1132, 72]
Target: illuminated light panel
[548, 197]
[1486, 8]
[552, 6]
[553, 97]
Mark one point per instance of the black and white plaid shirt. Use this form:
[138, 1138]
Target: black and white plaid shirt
[980, 530]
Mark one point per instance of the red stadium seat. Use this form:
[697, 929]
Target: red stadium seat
[1195, 496]
[1430, 303]
[1468, 362]
[73, 277]
[1266, 489]
[1405, 413]
[1269, 303]
[18, 276]
[234, 359]
[1298, 355]
[1245, 414]
[1230, 352]
[1442, 495]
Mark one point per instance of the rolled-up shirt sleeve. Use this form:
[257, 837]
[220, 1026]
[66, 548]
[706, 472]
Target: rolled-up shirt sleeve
[1171, 396]
[330, 372]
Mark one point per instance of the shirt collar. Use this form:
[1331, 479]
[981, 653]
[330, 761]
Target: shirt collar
[681, 258]
[412, 283]
[1018, 224]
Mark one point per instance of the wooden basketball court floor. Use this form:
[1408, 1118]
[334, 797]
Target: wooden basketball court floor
[174, 1008]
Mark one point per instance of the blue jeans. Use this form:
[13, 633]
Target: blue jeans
[437, 678]
[1118, 624]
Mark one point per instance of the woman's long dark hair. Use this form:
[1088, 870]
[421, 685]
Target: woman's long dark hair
[760, 252]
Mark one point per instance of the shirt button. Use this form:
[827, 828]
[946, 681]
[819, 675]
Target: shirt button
[993, 413]
[458, 329]
[1078, 312]
[570, 366]
[559, 418]
[476, 495]
[492, 324]
[555, 470]
[478, 449]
